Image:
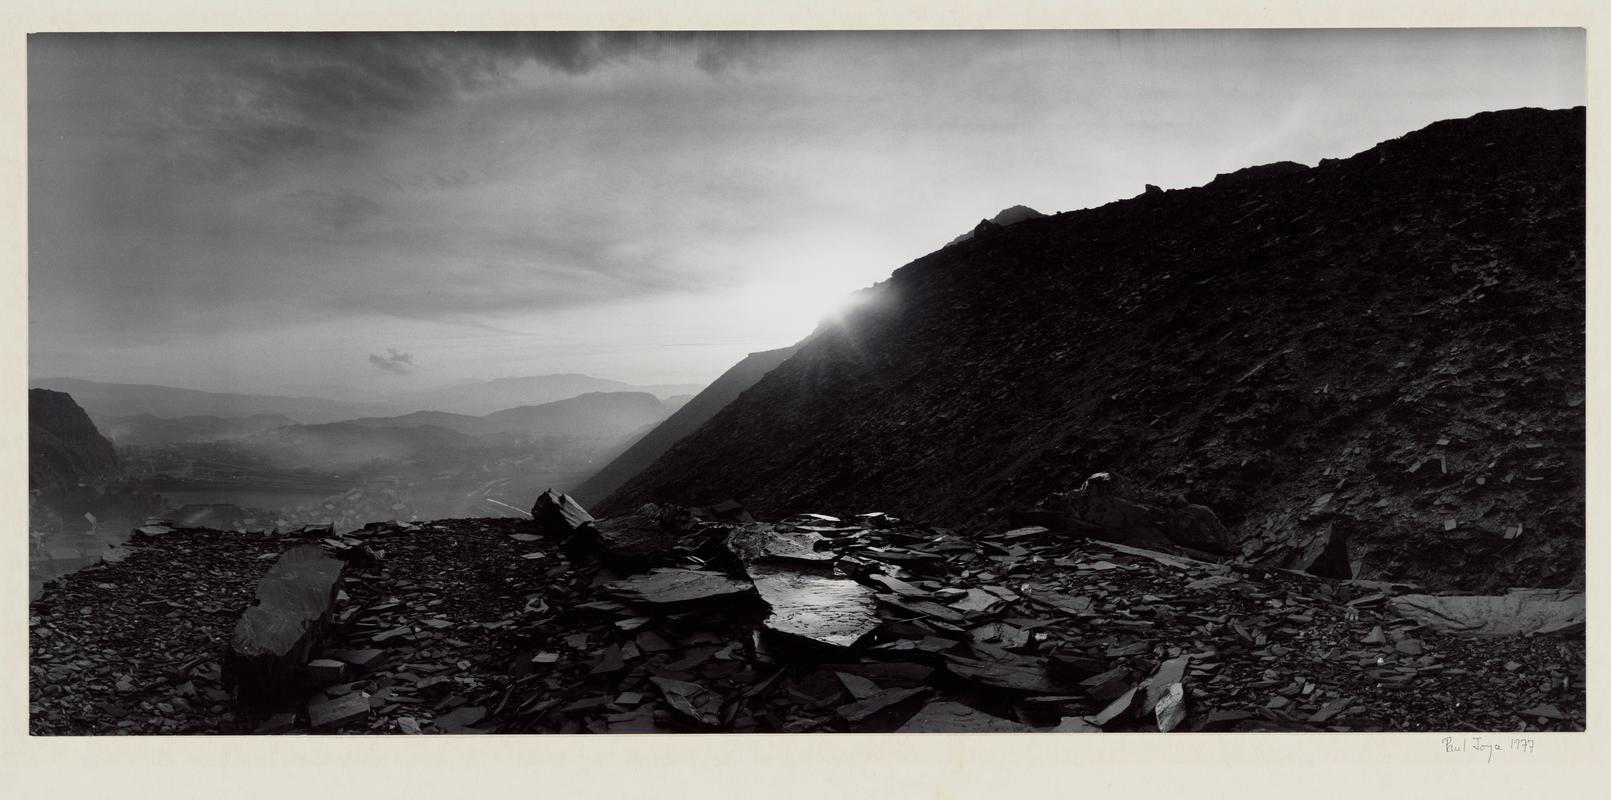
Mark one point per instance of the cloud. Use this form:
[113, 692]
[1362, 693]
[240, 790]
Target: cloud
[393, 362]
[216, 104]
[332, 210]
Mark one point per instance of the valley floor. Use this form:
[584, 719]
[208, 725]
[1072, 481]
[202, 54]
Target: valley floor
[481, 625]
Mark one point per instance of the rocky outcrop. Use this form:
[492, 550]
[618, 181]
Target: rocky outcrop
[1010, 215]
[1106, 507]
[64, 447]
[1400, 332]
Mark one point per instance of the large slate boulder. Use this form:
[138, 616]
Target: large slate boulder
[638, 537]
[277, 636]
[556, 514]
[1197, 526]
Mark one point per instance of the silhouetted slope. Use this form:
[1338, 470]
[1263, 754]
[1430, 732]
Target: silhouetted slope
[1390, 345]
[64, 448]
[685, 420]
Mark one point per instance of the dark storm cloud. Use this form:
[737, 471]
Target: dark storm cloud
[549, 199]
[217, 103]
[393, 361]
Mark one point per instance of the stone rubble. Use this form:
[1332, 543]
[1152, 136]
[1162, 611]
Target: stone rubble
[815, 623]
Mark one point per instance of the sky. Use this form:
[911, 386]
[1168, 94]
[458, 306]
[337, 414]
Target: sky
[361, 214]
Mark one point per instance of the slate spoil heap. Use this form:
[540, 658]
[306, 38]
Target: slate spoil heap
[674, 619]
[1388, 348]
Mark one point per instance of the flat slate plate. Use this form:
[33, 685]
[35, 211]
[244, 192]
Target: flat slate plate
[945, 716]
[667, 585]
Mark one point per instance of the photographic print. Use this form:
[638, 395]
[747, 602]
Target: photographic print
[887, 381]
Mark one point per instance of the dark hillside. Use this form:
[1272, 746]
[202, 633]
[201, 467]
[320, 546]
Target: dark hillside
[1389, 346]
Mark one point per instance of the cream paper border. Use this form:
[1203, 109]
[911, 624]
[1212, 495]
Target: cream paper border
[1355, 766]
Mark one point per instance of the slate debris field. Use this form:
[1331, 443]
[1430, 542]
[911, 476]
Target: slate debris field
[1301, 449]
[499, 625]
[1389, 347]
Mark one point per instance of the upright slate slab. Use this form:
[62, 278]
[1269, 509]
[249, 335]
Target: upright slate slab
[276, 637]
[557, 514]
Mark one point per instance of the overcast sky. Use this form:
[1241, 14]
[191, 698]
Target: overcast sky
[386, 212]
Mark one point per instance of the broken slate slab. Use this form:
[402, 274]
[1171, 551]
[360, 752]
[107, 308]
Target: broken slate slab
[976, 601]
[1075, 725]
[1519, 611]
[326, 670]
[862, 709]
[1171, 708]
[363, 659]
[946, 716]
[805, 601]
[670, 585]
[821, 608]
[1115, 709]
[898, 586]
[632, 537]
[759, 542]
[1158, 686]
[1024, 674]
[460, 719]
[691, 700]
[275, 638]
[344, 710]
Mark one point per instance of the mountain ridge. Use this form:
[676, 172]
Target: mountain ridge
[1281, 345]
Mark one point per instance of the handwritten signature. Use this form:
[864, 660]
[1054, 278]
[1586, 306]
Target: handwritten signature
[1477, 746]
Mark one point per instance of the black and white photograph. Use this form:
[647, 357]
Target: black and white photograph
[1175, 382]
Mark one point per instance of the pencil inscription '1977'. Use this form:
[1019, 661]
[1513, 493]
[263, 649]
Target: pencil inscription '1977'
[1476, 746]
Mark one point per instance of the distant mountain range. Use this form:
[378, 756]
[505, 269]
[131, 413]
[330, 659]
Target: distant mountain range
[145, 429]
[595, 414]
[108, 401]
[486, 397]
[111, 404]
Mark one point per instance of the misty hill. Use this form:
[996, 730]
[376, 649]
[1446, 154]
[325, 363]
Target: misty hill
[684, 421]
[340, 444]
[485, 397]
[64, 447]
[1007, 216]
[145, 429]
[1387, 349]
[595, 414]
[461, 423]
[591, 414]
[108, 401]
